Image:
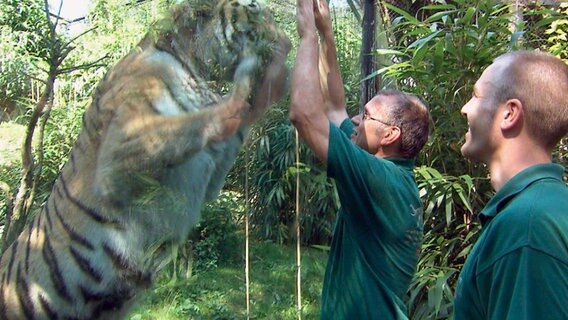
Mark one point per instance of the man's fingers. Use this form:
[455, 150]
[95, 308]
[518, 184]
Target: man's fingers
[304, 9]
[305, 17]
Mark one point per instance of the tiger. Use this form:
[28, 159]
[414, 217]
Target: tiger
[161, 132]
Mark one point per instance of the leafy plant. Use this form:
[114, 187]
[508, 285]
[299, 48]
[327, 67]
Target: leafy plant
[449, 235]
[348, 42]
[15, 70]
[439, 58]
[28, 22]
[215, 240]
[558, 33]
[270, 165]
[60, 135]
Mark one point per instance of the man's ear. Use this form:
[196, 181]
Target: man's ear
[512, 114]
[391, 136]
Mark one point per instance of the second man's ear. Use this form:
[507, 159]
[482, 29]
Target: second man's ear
[512, 114]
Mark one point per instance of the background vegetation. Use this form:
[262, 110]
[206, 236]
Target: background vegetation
[435, 49]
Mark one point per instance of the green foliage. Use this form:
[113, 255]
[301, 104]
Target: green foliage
[439, 58]
[11, 135]
[220, 293]
[10, 140]
[348, 42]
[61, 132]
[270, 165]
[558, 33]
[9, 173]
[448, 238]
[28, 22]
[15, 71]
[117, 26]
[120, 25]
[445, 194]
[215, 240]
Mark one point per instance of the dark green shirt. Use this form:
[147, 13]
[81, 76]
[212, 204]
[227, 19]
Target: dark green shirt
[377, 235]
[518, 269]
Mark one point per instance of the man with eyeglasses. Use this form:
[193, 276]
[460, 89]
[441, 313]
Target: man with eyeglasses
[379, 226]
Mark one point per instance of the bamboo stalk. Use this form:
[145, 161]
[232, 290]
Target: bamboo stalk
[298, 239]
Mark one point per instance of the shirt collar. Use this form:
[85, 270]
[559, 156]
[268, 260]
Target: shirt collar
[517, 184]
[402, 162]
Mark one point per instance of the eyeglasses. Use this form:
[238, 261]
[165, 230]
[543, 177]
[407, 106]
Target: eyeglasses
[365, 116]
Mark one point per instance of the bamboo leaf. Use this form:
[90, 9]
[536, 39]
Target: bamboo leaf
[442, 16]
[403, 13]
[421, 42]
[468, 15]
[389, 52]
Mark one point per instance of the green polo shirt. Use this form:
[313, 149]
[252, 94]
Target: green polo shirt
[377, 236]
[518, 269]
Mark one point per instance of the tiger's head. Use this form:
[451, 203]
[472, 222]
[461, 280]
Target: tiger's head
[217, 34]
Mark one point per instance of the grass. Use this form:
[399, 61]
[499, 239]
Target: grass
[221, 293]
[11, 137]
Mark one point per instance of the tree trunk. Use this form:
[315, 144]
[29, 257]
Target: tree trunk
[17, 217]
[368, 63]
[383, 41]
[58, 50]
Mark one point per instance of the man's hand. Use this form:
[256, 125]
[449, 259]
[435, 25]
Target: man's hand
[330, 78]
[322, 17]
[305, 20]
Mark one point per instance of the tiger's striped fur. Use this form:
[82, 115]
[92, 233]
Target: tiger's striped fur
[156, 142]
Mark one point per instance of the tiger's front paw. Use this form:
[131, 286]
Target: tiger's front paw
[243, 78]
